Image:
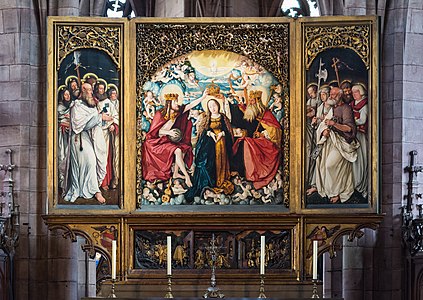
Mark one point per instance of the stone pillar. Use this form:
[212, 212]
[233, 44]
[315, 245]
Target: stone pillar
[86, 272]
[352, 270]
[22, 123]
[332, 275]
[62, 269]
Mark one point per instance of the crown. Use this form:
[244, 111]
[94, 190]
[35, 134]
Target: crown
[255, 94]
[213, 88]
[171, 97]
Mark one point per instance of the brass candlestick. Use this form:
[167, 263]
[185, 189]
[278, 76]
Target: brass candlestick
[213, 291]
[261, 295]
[169, 287]
[112, 291]
[315, 294]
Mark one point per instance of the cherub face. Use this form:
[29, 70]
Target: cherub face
[195, 113]
[149, 95]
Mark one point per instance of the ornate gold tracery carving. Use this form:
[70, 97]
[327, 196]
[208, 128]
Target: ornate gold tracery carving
[354, 37]
[74, 37]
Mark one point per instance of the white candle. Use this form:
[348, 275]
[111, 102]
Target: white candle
[169, 255]
[262, 245]
[113, 260]
[315, 249]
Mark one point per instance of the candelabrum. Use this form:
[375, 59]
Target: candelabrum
[213, 291]
[412, 221]
[9, 218]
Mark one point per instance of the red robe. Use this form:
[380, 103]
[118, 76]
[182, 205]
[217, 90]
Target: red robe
[158, 152]
[261, 156]
[356, 109]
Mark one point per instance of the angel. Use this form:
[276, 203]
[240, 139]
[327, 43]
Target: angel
[246, 192]
[320, 234]
[177, 187]
[150, 103]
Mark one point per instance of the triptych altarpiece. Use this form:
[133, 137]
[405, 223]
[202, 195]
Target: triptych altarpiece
[194, 127]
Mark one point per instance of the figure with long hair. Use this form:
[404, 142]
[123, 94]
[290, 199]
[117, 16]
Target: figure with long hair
[213, 152]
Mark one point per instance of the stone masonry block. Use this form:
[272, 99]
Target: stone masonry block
[387, 150]
[22, 48]
[413, 45]
[62, 290]
[387, 131]
[11, 21]
[14, 4]
[10, 136]
[412, 133]
[7, 49]
[11, 114]
[35, 53]
[10, 91]
[387, 110]
[1, 22]
[68, 11]
[413, 108]
[25, 19]
[4, 73]
[416, 23]
[417, 4]
[19, 73]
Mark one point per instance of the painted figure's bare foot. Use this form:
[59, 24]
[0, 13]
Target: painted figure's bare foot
[178, 175]
[100, 198]
[311, 191]
[188, 181]
[335, 199]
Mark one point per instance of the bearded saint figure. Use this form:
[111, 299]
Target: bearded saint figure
[257, 149]
[86, 165]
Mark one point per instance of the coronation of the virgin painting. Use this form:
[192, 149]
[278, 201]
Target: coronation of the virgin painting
[211, 132]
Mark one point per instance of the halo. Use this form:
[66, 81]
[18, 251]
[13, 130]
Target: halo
[84, 78]
[61, 88]
[334, 83]
[103, 82]
[174, 89]
[346, 81]
[113, 87]
[325, 86]
[311, 84]
[69, 78]
[362, 85]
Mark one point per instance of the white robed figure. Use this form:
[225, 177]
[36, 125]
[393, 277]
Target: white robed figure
[88, 151]
[334, 176]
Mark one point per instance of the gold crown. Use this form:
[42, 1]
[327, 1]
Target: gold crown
[213, 88]
[171, 97]
[255, 94]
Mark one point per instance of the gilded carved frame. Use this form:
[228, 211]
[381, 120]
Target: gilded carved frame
[127, 216]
